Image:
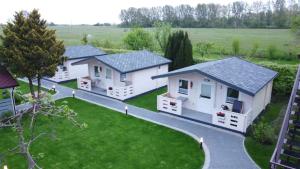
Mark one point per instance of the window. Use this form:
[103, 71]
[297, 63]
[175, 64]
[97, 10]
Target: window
[96, 70]
[205, 91]
[183, 87]
[64, 68]
[232, 95]
[123, 77]
[108, 73]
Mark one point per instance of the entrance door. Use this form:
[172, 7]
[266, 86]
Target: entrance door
[207, 97]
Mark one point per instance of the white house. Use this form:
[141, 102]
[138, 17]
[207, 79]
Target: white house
[125, 75]
[66, 71]
[229, 93]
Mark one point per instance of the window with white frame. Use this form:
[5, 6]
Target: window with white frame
[232, 95]
[123, 77]
[205, 91]
[183, 87]
[108, 73]
[96, 71]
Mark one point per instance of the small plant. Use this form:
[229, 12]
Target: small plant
[204, 48]
[107, 44]
[271, 53]
[236, 47]
[254, 49]
[263, 132]
[5, 115]
[84, 39]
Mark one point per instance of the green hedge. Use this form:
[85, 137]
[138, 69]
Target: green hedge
[283, 83]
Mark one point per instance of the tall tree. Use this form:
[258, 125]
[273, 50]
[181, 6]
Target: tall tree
[162, 33]
[280, 16]
[179, 50]
[30, 49]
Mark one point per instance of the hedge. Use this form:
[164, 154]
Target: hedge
[284, 82]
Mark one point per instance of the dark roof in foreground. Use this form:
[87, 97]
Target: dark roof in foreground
[132, 61]
[234, 72]
[82, 51]
[6, 79]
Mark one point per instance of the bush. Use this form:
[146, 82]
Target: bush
[283, 83]
[5, 115]
[138, 39]
[253, 52]
[263, 133]
[236, 47]
[5, 94]
[271, 52]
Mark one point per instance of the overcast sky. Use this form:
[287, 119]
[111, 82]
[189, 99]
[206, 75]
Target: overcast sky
[86, 11]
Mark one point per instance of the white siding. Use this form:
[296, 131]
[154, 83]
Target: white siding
[194, 101]
[142, 81]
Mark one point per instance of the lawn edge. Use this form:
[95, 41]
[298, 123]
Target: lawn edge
[249, 156]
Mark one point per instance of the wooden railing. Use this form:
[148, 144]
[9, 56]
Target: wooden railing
[121, 93]
[275, 159]
[168, 104]
[231, 120]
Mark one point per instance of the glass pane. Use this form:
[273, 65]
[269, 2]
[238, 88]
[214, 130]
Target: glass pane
[206, 91]
[123, 77]
[96, 70]
[232, 95]
[108, 74]
[183, 87]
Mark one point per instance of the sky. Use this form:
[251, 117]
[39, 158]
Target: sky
[86, 11]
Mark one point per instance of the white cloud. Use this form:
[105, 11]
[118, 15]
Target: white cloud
[85, 11]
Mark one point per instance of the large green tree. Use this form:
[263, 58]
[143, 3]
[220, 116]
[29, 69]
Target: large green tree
[180, 50]
[30, 49]
[162, 33]
[138, 39]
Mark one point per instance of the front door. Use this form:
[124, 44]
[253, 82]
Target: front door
[207, 97]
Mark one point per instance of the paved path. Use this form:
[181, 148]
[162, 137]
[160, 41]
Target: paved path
[223, 149]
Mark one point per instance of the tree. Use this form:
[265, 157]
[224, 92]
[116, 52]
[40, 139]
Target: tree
[203, 48]
[84, 39]
[280, 13]
[162, 33]
[179, 50]
[236, 47]
[30, 49]
[138, 39]
[28, 133]
[295, 26]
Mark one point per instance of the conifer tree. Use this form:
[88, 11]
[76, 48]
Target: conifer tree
[30, 49]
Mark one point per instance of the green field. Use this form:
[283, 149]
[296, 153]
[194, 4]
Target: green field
[111, 141]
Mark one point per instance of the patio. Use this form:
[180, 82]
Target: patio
[198, 116]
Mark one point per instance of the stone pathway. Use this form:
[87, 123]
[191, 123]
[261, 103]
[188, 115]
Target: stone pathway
[223, 149]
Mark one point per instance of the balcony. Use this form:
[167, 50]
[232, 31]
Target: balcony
[169, 104]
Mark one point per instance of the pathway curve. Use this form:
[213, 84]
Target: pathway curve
[223, 149]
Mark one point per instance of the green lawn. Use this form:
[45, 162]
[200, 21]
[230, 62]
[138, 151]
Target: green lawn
[111, 141]
[147, 101]
[260, 153]
[71, 84]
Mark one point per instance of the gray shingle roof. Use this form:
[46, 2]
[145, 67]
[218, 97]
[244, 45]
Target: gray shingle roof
[129, 62]
[81, 51]
[234, 72]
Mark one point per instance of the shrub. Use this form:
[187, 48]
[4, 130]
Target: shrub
[254, 50]
[204, 48]
[5, 115]
[5, 94]
[283, 83]
[236, 47]
[271, 52]
[263, 133]
[138, 39]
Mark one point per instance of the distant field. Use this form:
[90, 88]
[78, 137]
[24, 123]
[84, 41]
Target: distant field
[221, 37]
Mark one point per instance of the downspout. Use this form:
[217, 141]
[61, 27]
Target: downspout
[13, 100]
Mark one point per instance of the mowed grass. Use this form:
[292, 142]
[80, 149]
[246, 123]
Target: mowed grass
[260, 153]
[111, 141]
[72, 35]
[148, 100]
[71, 84]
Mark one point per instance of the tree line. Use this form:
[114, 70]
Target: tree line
[239, 14]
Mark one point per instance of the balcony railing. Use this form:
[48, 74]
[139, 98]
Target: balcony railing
[275, 159]
[121, 93]
[169, 104]
[231, 120]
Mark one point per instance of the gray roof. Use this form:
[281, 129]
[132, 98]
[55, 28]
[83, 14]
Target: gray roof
[234, 72]
[133, 61]
[82, 51]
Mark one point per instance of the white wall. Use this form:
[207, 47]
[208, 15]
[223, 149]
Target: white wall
[195, 102]
[142, 81]
[72, 72]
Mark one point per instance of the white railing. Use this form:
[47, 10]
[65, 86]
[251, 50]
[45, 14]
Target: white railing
[61, 76]
[231, 120]
[84, 83]
[168, 104]
[121, 93]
